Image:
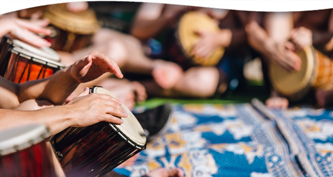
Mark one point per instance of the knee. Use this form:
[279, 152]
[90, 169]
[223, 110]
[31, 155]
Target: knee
[204, 81]
[116, 49]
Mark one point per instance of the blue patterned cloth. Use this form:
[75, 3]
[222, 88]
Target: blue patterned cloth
[219, 140]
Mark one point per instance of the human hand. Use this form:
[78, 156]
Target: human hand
[163, 172]
[25, 29]
[301, 37]
[277, 102]
[92, 66]
[77, 6]
[89, 109]
[284, 55]
[206, 45]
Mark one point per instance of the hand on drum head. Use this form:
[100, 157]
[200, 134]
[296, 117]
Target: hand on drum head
[206, 45]
[301, 37]
[89, 109]
[77, 6]
[92, 66]
[284, 55]
[163, 172]
[25, 29]
[209, 42]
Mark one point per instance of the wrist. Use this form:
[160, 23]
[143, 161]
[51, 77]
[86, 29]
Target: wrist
[224, 38]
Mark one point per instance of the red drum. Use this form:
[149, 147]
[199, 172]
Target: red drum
[95, 150]
[24, 152]
[24, 62]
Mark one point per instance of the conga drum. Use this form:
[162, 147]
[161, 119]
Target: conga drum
[316, 73]
[71, 31]
[23, 62]
[97, 149]
[24, 152]
[185, 38]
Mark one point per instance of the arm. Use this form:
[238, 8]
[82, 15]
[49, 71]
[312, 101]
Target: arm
[272, 43]
[85, 110]
[60, 85]
[153, 18]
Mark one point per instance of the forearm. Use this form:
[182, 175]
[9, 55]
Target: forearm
[54, 89]
[56, 118]
[258, 38]
[145, 29]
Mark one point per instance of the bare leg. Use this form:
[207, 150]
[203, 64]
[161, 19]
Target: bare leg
[34, 105]
[128, 53]
[197, 82]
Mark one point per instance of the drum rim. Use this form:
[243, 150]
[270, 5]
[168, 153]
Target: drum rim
[39, 59]
[30, 135]
[308, 76]
[209, 61]
[43, 51]
[138, 145]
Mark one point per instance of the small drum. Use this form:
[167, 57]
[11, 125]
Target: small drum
[24, 62]
[24, 152]
[71, 31]
[185, 38]
[316, 72]
[95, 150]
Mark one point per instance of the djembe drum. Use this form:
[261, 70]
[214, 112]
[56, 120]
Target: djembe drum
[71, 31]
[185, 38]
[95, 150]
[21, 62]
[24, 152]
[316, 72]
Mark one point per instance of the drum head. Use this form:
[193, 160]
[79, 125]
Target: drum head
[84, 22]
[39, 59]
[291, 83]
[188, 24]
[19, 138]
[44, 52]
[131, 128]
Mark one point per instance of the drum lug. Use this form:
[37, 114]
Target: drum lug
[59, 155]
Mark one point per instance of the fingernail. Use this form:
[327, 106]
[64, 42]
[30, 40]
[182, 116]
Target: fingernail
[120, 103]
[121, 121]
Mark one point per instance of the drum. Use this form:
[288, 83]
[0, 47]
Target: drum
[185, 38]
[316, 72]
[24, 152]
[95, 150]
[23, 62]
[71, 31]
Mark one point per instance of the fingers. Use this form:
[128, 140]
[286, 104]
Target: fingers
[36, 27]
[30, 38]
[277, 103]
[109, 63]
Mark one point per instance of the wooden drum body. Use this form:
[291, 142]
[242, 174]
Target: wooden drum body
[24, 152]
[95, 150]
[72, 31]
[23, 62]
[316, 72]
